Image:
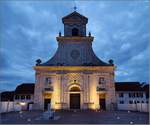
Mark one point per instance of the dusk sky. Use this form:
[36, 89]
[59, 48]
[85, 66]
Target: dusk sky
[28, 32]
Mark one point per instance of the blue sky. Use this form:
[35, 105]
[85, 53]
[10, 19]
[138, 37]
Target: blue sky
[29, 30]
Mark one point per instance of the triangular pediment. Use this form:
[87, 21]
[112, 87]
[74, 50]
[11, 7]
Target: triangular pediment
[75, 16]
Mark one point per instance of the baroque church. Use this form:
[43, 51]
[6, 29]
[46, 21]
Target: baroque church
[74, 78]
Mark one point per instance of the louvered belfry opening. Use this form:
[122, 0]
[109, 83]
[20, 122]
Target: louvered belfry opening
[75, 32]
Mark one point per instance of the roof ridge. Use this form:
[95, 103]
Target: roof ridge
[74, 12]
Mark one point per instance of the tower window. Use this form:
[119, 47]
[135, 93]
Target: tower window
[75, 32]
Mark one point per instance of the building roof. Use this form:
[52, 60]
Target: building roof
[7, 96]
[75, 16]
[130, 86]
[54, 62]
[74, 50]
[146, 88]
[25, 88]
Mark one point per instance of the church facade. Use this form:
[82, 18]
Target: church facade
[74, 78]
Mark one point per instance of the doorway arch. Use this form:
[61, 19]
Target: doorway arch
[74, 89]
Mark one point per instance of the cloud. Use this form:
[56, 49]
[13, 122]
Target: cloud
[125, 46]
[29, 30]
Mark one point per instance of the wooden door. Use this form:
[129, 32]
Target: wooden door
[102, 104]
[74, 101]
[47, 102]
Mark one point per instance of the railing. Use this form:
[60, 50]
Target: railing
[49, 89]
[100, 89]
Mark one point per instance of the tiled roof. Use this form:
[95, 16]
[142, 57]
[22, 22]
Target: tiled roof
[146, 88]
[7, 96]
[25, 88]
[129, 86]
[74, 14]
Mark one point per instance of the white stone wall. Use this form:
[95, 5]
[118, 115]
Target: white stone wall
[62, 82]
[109, 93]
[55, 100]
[38, 96]
[110, 97]
[41, 85]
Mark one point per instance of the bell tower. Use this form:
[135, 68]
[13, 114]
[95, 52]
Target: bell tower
[74, 25]
[74, 47]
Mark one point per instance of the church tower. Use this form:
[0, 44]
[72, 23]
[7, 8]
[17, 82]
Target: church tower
[74, 25]
[74, 78]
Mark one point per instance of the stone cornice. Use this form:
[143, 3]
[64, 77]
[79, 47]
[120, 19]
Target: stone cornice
[72, 21]
[74, 68]
[74, 39]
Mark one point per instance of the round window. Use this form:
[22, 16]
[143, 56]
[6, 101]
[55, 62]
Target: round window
[75, 54]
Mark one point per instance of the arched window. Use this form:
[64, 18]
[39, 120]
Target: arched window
[75, 32]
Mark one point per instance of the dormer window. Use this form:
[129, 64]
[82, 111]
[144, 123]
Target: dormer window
[101, 80]
[75, 32]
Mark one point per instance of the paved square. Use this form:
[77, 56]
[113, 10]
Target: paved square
[76, 117]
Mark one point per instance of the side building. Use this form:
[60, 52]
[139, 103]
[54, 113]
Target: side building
[24, 95]
[21, 98]
[132, 96]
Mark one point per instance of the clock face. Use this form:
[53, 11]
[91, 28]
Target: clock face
[75, 54]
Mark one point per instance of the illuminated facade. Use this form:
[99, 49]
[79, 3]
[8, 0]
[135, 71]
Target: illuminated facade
[74, 78]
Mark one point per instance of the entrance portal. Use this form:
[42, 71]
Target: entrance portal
[47, 103]
[75, 101]
[102, 104]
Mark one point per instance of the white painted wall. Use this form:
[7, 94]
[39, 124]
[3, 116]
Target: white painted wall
[126, 97]
[9, 106]
[142, 107]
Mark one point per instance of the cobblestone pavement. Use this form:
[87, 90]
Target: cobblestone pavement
[75, 117]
